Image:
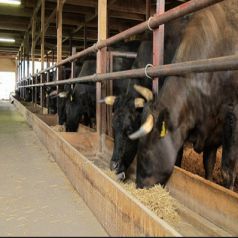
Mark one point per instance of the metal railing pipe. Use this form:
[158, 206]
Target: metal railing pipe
[152, 22]
[196, 66]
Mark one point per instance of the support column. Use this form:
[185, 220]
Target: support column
[59, 36]
[73, 73]
[85, 36]
[59, 10]
[158, 44]
[28, 57]
[24, 69]
[20, 71]
[42, 79]
[101, 68]
[34, 89]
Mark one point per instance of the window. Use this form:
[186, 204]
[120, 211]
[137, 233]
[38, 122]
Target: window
[7, 84]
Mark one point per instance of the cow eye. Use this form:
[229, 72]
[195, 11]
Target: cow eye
[129, 130]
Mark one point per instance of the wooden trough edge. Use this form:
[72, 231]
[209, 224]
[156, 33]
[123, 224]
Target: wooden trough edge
[119, 213]
[212, 201]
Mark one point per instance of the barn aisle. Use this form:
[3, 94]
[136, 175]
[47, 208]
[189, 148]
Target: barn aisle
[36, 199]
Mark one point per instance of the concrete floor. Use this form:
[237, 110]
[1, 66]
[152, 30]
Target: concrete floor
[36, 199]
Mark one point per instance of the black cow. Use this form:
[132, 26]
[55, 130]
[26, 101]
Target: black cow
[79, 105]
[196, 107]
[81, 101]
[28, 95]
[128, 106]
[54, 103]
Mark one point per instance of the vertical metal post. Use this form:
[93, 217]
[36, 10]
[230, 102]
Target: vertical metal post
[158, 44]
[28, 58]
[21, 96]
[85, 36]
[109, 92]
[42, 94]
[53, 56]
[59, 36]
[47, 60]
[73, 71]
[59, 40]
[23, 72]
[101, 68]
[34, 89]
[17, 71]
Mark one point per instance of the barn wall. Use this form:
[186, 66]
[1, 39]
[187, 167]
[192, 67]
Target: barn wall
[7, 64]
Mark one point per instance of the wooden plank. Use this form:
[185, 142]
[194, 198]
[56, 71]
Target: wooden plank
[120, 213]
[214, 202]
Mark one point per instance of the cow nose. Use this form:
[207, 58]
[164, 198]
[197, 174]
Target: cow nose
[113, 165]
[121, 176]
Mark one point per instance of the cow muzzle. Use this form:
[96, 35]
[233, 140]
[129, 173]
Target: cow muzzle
[121, 176]
[113, 165]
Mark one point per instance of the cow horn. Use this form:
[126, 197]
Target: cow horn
[63, 94]
[145, 92]
[139, 102]
[144, 129]
[53, 93]
[109, 100]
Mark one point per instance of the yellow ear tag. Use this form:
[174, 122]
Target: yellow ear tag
[163, 130]
[71, 98]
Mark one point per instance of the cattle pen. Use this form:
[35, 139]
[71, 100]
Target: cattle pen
[201, 207]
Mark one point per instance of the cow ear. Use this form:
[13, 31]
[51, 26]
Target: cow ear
[162, 123]
[163, 130]
[71, 98]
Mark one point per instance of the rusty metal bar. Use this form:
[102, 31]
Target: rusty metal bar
[158, 44]
[123, 54]
[196, 66]
[101, 68]
[153, 22]
[42, 78]
[73, 65]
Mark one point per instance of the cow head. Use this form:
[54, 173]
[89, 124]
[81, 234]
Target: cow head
[28, 95]
[62, 99]
[51, 97]
[160, 141]
[126, 119]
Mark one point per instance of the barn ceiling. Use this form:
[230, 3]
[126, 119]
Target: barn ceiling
[79, 16]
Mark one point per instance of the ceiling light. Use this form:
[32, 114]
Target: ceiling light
[7, 39]
[12, 2]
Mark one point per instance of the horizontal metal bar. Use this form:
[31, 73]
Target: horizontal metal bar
[198, 66]
[123, 54]
[153, 22]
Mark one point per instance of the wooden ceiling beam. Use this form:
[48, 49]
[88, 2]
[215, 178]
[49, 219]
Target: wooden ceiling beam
[19, 12]
[84, 3]
[126, 15]
[12, 27]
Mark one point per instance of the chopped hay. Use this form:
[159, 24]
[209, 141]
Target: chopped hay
[58, 128]
[157, 199]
